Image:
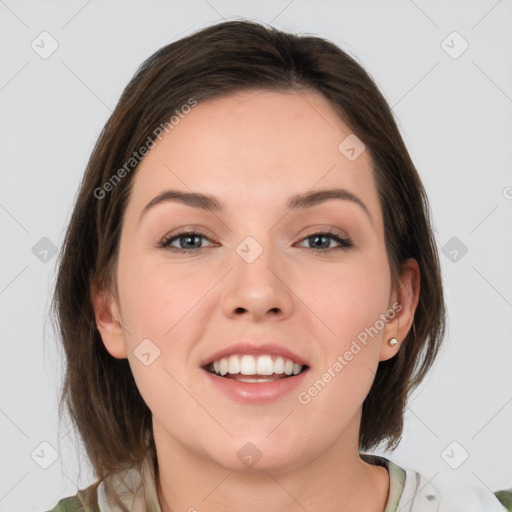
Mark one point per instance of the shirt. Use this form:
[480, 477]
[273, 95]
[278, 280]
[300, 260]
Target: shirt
[409, 491]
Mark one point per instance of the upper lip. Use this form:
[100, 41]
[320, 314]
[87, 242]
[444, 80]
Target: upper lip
[255, 349]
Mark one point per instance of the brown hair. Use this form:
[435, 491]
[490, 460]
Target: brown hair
[99, 390]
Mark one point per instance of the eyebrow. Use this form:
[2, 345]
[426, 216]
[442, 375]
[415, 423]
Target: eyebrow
[211, 203]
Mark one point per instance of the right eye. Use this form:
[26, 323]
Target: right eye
[187, 240]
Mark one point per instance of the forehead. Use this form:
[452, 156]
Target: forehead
[255, 147]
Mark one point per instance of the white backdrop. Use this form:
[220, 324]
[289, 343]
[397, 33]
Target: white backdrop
[446, 69]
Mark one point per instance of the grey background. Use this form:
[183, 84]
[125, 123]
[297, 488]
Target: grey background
[454, 114]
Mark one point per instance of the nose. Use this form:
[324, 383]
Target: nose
[258, 290]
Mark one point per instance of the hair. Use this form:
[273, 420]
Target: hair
[98, 389]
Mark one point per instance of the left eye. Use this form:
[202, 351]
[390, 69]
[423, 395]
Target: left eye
[317, 239]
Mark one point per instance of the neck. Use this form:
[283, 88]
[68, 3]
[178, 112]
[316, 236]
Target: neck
[337, 480]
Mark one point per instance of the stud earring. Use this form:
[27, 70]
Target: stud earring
[392, 341]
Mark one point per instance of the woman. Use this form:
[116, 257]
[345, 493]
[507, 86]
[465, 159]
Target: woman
[249, 288]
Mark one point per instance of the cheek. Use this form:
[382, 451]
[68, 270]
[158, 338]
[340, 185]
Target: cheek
[349, 298]
[161, 303]
[356, 297]
[157, 296]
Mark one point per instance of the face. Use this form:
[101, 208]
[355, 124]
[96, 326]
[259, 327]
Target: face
[257, 280]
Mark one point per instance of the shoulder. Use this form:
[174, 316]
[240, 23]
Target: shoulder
[70, 504]
[131, 489]
[412, 491]
[85, 500]
[505, 498]
[445, 493]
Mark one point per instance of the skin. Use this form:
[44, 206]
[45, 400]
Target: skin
[253, 150]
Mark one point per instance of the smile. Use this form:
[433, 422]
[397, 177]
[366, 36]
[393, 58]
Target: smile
[250, 368]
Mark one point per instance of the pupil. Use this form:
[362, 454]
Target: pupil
[188, 238]
[317, 237]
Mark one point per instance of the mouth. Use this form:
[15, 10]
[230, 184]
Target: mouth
[255, 368]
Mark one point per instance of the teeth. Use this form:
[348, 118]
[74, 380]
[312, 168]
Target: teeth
[264, 365]
[256, 365]
[223, 366]
[233, 364]
[247, 365]
[241, 379]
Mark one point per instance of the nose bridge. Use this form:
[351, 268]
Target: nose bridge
[257, 282]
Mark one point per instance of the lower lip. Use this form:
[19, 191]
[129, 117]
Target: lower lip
[256, 392]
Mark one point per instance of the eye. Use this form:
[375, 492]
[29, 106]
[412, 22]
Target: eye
[322, 240]
[189, 242]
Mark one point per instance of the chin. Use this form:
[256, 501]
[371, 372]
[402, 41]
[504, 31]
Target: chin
[257, 455]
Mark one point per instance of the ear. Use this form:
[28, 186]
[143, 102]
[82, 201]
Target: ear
[106, 310]
[402, 307]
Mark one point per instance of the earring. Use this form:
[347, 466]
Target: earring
[117, 320]
[392, 341]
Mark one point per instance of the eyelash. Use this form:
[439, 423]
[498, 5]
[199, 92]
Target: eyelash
[344, 241]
